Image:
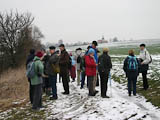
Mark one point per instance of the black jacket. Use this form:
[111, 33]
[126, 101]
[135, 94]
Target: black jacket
[104, 63]
[30, 58]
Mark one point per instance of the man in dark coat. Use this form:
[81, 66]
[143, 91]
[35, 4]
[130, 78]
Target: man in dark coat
[104, 67]
[53, 60]
[30, 59]
[64, 64]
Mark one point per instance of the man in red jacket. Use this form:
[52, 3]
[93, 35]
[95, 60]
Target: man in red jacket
[90, 63]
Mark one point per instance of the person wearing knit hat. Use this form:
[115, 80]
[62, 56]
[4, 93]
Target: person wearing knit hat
[90, 64]
[104, 67]
[91, 51]
[105, 50]
[39, 54]
[37, 81]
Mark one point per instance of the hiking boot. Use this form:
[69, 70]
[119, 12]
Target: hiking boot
[65, 93]
[53, 98]
[105, 97]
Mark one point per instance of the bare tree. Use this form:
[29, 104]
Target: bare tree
[13, 29]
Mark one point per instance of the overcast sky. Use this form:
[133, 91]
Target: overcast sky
[87, 20]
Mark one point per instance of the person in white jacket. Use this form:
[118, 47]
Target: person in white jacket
[145, 59]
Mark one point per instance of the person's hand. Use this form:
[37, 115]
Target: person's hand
[142, 63]
[96, 64]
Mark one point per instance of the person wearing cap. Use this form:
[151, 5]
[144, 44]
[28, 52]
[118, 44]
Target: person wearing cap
[30, 59]
[78, 59]
[64, 63]
[90, 64]
[104, 67]
[37, 81]
[53, 60]
[145, 60]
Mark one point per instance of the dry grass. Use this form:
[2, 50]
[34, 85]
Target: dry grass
[13, 87]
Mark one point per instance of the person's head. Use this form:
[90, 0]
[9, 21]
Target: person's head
[32, 51]
[131, 52]
[79, 51]
[52, 49]
[94, 44]
[91, 52]
[142, 46]
[39, 54]
[43, 50]
[70, 54]
[105, 50]
[61, 47]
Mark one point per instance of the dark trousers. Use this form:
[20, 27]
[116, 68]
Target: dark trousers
[145, 80]
[30, 91]
[97, 84]
[53, 80]
[104, 83]
[37, 96]
[132, 79]
[83, 75]
[90, 84]
[65, 81]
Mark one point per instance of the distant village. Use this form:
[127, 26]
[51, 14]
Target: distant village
[100, 41]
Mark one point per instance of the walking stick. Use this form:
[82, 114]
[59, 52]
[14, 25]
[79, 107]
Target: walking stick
[110, 83]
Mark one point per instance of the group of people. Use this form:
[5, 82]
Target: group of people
[43, 68]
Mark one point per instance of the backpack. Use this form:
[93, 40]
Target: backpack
[79, 59]
[56, 68]
[30, 73]
[132, 63]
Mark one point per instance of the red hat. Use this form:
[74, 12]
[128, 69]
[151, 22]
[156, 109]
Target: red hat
[39, 54]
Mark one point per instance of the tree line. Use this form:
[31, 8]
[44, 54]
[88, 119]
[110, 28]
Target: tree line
[17, 36]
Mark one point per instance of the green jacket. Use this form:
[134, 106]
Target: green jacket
[39, 68]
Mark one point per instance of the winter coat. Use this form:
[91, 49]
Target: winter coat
[30, 58]
[39, 68]
[64, 62]
[104, 63]
[45, 63]
[125, 67]
[54, 59]
[90, 66]
[82, 64]
[145, 56]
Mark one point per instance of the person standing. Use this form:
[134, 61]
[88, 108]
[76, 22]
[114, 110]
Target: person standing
[144, 59]
[104, 67]
[52, 64]
[37, 81]
[78, 58]
[47, 86]
[30, 59]
[130, 67]
[94, 46]
[64, 63]
[73, 69]
[91, 65]
[83, 74]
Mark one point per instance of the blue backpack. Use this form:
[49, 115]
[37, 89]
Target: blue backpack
[30, 73]
[132, 63]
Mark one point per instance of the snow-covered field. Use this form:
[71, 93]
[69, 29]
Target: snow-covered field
[78, 106]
